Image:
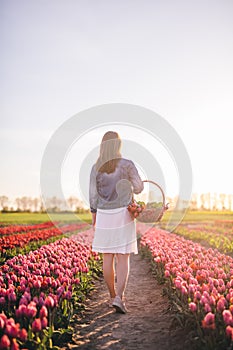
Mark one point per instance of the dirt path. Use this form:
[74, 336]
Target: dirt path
[147, 325]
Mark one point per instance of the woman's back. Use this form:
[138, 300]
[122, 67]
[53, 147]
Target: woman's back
[114, 190]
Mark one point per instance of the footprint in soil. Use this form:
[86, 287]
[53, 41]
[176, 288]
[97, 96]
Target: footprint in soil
[147, 324]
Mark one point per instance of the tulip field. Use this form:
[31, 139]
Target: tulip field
[41, 290]
[21, 239]
[47, 269]
[198, 279]
[218, 234]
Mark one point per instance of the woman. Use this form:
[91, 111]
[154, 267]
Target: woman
[113, 180]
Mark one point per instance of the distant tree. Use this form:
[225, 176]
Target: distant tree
[4, 201]
[202, 200]
[230, 204]
[222, 198]
[42, 208]
[23, 203]
[36, 203]
[215, 201]
[54, 204]
[18, 203]
[193, 203]
[5, 210]
[72, 201]
[208, 200]
[26, 201]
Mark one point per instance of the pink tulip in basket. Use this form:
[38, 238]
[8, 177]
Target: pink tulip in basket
[150, 212]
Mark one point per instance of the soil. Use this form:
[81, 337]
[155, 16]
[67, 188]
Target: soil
[148, 324]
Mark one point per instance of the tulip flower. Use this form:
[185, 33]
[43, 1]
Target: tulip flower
[5, 342]
[209, 321]
[36, 325]
[23, 335]
[44, 322]
[229, 332]
[43, 312]
[193, 306]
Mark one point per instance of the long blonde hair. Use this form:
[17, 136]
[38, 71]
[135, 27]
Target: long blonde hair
[109, 152]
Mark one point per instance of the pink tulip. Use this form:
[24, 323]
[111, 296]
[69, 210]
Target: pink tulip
[37, 284]
[44, 322]
[184, 290]
[31, 310]
[12, 297]
[2, 300]
[23, 335]
[41, 301]
[2, 323]
[49, 302]
[209, 321]
[12, 330]
[207, 308]
[229, 332]
[5, 342]
[43, 312]
[212, 300]
[36, 325]
[227, 317]
[220, 305]
[21, 311]
[3, 317]
[203, 300]
[197, 295]
[193, 306]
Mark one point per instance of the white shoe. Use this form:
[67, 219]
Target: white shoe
[119, 305]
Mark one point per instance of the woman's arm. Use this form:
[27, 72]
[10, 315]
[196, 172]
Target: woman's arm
[93, 194]
[93, 219]
[134, 178]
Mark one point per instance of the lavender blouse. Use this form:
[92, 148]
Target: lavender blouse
[114, 190]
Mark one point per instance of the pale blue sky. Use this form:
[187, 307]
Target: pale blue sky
[59, 57]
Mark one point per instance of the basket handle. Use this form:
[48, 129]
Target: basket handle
[155, 183]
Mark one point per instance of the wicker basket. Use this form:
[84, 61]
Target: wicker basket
[153, 214]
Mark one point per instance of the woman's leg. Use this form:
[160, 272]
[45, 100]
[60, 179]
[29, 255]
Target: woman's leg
[122, 273]
[109, 273]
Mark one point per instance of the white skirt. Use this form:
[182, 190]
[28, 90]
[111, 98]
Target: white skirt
[115, 232]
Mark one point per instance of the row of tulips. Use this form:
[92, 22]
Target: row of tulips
[23, 239]
[199, 280]
[11, 229]
[224, 223]
[216, 236]
[73, 227]
[39, 291]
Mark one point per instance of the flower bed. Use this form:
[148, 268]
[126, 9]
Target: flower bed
[217, 236]
[39, 291]
[200, 283]
[10, 245]
[11, 229]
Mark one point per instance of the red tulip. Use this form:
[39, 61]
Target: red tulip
[23, 335]
[49, 302]
[31, 310]
[12, 329]
[43, 312]
[44, 322]
[36, 325]
[5, 342]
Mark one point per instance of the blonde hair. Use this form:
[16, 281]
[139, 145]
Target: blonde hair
[109, 152]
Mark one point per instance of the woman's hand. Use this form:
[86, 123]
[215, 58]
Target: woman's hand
[93, 219]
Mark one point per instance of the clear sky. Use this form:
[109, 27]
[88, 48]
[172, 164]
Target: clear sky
[59, 57]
